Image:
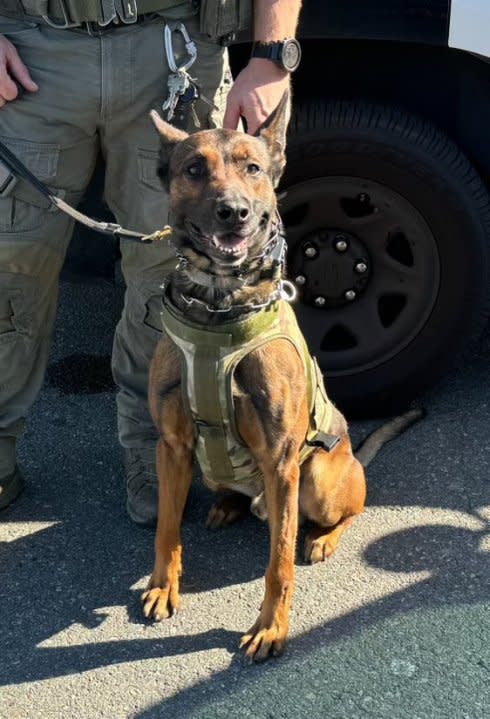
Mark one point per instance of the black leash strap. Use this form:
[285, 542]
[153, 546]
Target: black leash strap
[19, 171]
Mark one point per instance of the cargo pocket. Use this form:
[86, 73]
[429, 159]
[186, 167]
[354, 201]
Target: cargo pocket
[17, 329]
[41, 159]
[147, 169]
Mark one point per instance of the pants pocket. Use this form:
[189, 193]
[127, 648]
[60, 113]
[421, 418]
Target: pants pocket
[41, 159]
[17, 329]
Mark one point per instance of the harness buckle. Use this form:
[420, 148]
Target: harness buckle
[328, 442]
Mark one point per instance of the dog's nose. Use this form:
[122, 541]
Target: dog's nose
[232, 213]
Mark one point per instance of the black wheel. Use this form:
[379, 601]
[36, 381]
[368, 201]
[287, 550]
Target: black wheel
[388, 229]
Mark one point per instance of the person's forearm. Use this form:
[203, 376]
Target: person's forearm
[275, 19]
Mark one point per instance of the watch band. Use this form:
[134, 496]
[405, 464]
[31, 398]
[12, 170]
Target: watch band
[285, 53]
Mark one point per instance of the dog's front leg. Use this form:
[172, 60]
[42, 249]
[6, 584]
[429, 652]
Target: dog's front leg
[174, 467]
[268, 635]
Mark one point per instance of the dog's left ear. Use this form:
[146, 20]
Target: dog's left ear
[170, 137]
[273, 133]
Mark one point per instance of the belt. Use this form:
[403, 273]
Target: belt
[95, 29]
[93, 16]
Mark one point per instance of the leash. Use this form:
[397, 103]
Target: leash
[16, 170]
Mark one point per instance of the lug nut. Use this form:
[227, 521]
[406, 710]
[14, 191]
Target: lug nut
[360, 267]
[300, 280]
[310, 251]
[363, 197]
[320, 301]
[341, 243]
[350, 295]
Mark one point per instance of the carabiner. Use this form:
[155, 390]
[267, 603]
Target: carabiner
[190, 47]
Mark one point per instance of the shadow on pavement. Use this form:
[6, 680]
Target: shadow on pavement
[91, 555]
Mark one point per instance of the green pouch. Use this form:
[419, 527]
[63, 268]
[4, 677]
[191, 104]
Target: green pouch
[224, 20]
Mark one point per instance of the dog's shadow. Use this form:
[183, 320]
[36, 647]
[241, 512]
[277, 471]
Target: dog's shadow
[84, 558]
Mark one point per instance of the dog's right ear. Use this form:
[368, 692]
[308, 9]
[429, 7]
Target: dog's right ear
[170, 137]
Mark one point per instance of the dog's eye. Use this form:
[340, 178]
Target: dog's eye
[195, 170]
[253, 169]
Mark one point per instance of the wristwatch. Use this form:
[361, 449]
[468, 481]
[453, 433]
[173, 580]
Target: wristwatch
[286, 54]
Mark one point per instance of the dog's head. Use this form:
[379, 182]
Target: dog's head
[221, 185]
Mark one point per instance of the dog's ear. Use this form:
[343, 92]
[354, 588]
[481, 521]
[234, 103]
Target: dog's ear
[170, 137]
[273, 133]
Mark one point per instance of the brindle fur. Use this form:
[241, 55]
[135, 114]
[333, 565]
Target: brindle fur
[269, 385]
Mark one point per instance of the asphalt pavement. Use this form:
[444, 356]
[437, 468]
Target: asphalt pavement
[396, 625]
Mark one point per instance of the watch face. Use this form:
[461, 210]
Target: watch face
[291, 55]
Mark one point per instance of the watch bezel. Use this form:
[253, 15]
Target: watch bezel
[276, 52]
[284, 45]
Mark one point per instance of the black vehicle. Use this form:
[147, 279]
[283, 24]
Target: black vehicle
[385, 195]
[386, 198]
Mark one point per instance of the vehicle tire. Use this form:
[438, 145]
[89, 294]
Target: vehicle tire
[388, 230]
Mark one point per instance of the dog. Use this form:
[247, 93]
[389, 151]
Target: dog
[227, 237]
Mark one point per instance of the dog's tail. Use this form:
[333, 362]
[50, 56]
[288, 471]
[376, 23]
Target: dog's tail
[369, 448]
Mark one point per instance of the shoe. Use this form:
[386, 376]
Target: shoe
[141, 485]
[10, 488]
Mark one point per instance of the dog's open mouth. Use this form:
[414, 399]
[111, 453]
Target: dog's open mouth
[230, 244]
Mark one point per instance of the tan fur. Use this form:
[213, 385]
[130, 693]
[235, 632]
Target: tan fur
[270, 396]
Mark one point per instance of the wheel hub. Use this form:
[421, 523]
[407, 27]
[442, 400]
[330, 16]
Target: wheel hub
[331, 266]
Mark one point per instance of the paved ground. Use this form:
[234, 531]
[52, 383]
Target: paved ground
[396, 625]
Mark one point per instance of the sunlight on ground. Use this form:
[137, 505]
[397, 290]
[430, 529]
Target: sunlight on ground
[12, 531]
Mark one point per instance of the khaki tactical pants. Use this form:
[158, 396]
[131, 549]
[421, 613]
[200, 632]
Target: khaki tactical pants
[94, 95]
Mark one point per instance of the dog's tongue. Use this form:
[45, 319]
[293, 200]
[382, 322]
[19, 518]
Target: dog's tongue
[230, 240]
[230, 243]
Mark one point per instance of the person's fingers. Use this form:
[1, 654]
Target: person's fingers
[232, 115]
[19, 71]
[8, 88]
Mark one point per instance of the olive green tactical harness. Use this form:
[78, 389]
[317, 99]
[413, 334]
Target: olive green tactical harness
[211, 355]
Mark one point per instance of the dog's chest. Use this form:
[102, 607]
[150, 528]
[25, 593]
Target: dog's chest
[210, 356]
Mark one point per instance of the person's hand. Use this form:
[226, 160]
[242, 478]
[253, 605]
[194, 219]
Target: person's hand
[12, 71]
[255, 93]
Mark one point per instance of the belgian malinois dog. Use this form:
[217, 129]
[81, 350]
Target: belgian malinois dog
[223, 213]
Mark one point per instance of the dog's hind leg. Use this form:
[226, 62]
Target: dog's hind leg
[228, 509]
[332, 493]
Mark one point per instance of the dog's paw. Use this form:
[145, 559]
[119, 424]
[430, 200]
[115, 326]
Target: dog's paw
[160, 602]
[226, 510]
[318, 548]
[260, 643]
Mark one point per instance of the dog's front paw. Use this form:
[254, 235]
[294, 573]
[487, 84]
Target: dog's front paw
[161, 602]
[262, 642]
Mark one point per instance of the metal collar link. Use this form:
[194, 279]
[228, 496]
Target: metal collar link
[285, 290]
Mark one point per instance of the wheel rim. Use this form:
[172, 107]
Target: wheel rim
[366, 266]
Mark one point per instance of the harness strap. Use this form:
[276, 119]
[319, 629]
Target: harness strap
[210, 357]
